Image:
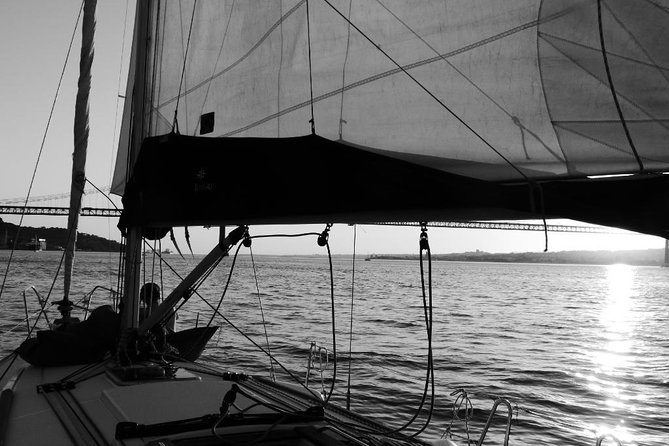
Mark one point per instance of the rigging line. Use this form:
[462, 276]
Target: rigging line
[476, 86]
[334, 332]
[303, 234]
[227, 284]
[198, 283]
[658, 121]
[394, 71]
[428, 327]
[115, 142]
[53, 284]
[343, 77]
[260, 41]
[258, 346]
[41, 149]
[427, 312]
[119, 277]
[613, 89]
[660, 7]
[663, 72]
[432, 95]
[109, 230]
[153, 268]
[278, 72]
[103, 194]
[218, 313]
[604, 143]
[160, 272]
[580, 45]
[175, 125]
[218, 58]
[262, 314]
[311, 78]
[590, 137]
[350, 330]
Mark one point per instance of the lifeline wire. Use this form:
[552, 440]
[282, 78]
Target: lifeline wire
[39, 155]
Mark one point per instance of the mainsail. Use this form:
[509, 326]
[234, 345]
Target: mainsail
[526, 99]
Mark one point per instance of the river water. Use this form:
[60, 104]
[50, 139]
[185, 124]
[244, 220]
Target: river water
[579, 351]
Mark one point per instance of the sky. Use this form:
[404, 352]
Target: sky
[34, 39]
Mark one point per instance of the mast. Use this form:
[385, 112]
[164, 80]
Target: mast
[81, 130]
[133, 260]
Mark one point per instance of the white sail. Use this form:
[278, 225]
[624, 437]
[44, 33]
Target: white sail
[497, 82]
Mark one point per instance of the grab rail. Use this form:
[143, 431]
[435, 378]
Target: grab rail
[495, 405]
[317, 352]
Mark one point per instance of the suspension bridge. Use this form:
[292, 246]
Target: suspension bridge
[21, 206]
[59, 205]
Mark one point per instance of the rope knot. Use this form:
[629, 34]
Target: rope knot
[325, 235]
[424, 245]
[246, 240]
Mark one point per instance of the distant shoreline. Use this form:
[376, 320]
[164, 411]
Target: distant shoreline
[54, 239]
[647, 257]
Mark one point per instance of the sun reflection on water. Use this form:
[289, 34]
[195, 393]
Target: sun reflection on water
[613, 358]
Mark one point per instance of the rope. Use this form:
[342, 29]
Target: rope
[334, 333]
[258, 346]
[427, 310]
[460, 399]
[311, 80]
[613, 89]
[227, 284]
[332, 302]
[262, 314]
[41, 149]
[429, 378]
[350, 331]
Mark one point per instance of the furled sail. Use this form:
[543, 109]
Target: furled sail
[80, 148]
[522, 94]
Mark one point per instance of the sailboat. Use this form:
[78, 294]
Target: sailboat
[243, 113]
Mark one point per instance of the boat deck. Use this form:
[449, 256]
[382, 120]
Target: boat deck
[93, 405]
